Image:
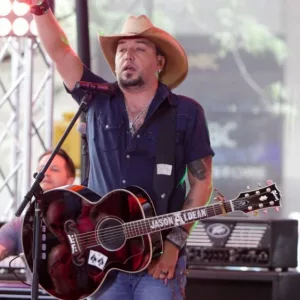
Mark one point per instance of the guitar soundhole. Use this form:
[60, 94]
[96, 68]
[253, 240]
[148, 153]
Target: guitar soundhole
[110, 234]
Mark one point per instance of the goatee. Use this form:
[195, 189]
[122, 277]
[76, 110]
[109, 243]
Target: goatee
[131, 83]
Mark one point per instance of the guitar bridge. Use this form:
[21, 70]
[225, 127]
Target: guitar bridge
[73, 243]
[71, 232]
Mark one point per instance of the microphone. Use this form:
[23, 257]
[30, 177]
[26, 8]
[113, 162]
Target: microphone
[104, 88]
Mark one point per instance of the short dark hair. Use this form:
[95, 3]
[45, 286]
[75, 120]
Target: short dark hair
[68, 160]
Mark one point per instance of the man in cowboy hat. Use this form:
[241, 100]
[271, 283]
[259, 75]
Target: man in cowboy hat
[124, 131]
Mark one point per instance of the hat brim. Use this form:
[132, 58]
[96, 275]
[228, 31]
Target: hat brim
[176, 66]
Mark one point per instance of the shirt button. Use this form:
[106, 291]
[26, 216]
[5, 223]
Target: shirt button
[107, 126]
[127, 156]
[124, 181]
[138, 136]
[163, 196]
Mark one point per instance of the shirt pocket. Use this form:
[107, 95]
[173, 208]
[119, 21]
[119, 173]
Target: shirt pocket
[108, 132]
[149, 139]
[145, 144]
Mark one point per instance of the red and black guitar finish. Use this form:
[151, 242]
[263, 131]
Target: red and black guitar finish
[85, 236]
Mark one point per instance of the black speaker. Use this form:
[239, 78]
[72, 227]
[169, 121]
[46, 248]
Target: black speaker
[242, 285]
[242, 241]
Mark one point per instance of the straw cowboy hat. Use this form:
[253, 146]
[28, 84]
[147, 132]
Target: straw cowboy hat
[176, 66]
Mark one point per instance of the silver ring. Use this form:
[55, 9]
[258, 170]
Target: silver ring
[164, 272]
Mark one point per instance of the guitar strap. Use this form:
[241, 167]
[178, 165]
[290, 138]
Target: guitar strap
[164, 171]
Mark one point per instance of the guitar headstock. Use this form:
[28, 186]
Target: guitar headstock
[262, 198]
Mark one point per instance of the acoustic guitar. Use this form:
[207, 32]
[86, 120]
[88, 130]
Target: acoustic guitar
[85, 236]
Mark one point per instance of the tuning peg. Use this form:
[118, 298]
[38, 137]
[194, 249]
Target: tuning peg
[258, 184]
[277, 209]
[265, 212]
[248, 187]
[269, 182]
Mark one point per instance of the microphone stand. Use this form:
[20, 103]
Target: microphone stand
[37, 192]
[85, 159]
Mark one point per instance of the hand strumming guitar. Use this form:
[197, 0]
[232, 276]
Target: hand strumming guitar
[164, 267]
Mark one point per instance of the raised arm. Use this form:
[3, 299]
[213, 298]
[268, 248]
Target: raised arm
[57, 46]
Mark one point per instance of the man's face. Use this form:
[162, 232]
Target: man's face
[57, 174]
[136, 62]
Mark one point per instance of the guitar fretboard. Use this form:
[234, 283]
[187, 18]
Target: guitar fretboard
[167, 221]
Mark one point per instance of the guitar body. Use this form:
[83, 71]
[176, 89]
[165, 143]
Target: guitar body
[82, 238]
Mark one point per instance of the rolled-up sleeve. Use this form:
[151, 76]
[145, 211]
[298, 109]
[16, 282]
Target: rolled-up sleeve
[88, 76]
[197, 140]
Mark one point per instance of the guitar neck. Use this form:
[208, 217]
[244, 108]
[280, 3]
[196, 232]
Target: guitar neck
[175, 219]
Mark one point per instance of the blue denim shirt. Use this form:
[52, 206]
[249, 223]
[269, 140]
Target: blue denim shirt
[118, 159]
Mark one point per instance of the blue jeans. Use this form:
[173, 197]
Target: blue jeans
[142, 286]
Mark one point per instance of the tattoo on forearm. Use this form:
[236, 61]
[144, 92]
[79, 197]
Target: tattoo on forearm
[198, 169]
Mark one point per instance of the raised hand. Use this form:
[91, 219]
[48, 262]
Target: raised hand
[37, 7]
[31, 2]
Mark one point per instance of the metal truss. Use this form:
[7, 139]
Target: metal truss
[26, 116]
